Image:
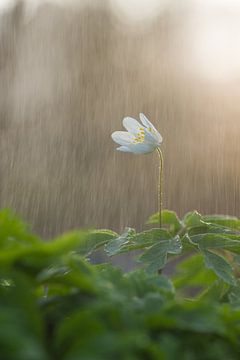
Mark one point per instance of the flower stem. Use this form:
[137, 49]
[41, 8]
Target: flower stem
[160, 186]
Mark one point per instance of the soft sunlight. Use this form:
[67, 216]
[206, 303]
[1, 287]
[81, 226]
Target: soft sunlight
[137, 10]
[4, 4]
[215, 49]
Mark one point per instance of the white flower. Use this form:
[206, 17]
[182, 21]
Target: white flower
[139, 138]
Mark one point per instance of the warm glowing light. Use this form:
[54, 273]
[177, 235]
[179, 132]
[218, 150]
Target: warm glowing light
[215, 48]
[138, 9]
[4, 4]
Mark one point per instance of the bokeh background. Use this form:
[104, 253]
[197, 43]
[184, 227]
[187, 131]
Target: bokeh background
[71, 70]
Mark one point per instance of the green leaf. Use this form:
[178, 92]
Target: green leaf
[150, 237]
[139, 283]
[216, 292]
[187, 244]
[132, 241]
[214, 236]
[156, 256]
[191, 273]
[220, 266]
[114, 246]
[36, 256]
[13, 232]
[22, 327]
[168, 218]
[96, 239]
[193, 219]
[234, 294]
[216, 241]
[84, 242]
[228, 221]
[210, 229]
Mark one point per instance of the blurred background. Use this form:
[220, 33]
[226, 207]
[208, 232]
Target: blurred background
[71, 70]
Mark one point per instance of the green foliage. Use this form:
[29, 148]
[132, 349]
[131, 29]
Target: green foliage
[156, 255]
[54, 304]
[221, 267]
[169, 218]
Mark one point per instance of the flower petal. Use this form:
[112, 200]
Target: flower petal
[122, 137]
[146, 122]
[141, 148]
[124, 149]
[131, 125]
[152, 137]
[155, 134]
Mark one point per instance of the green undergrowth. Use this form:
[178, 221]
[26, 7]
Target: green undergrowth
[55, 304]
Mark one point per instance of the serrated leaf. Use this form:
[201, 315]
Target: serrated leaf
[193, 218]
[152, 235]
[168, 218]
[220, 266]
[229, 221]
[94, 240]
[187, 245]
[114, 246]
[146, 238]
[156, 256]
[135, 241]
[216, 241]
[205, 228]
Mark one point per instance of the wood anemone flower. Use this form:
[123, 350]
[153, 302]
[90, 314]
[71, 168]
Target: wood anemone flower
[139, 138]
[142, 139]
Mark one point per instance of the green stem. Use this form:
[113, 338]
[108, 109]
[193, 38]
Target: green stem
[160, 186]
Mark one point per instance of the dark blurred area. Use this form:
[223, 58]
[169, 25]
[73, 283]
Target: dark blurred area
[70, 73]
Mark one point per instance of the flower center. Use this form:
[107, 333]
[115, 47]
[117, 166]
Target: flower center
[140, 136]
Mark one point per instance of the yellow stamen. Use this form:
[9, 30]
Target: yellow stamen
[140, 136]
